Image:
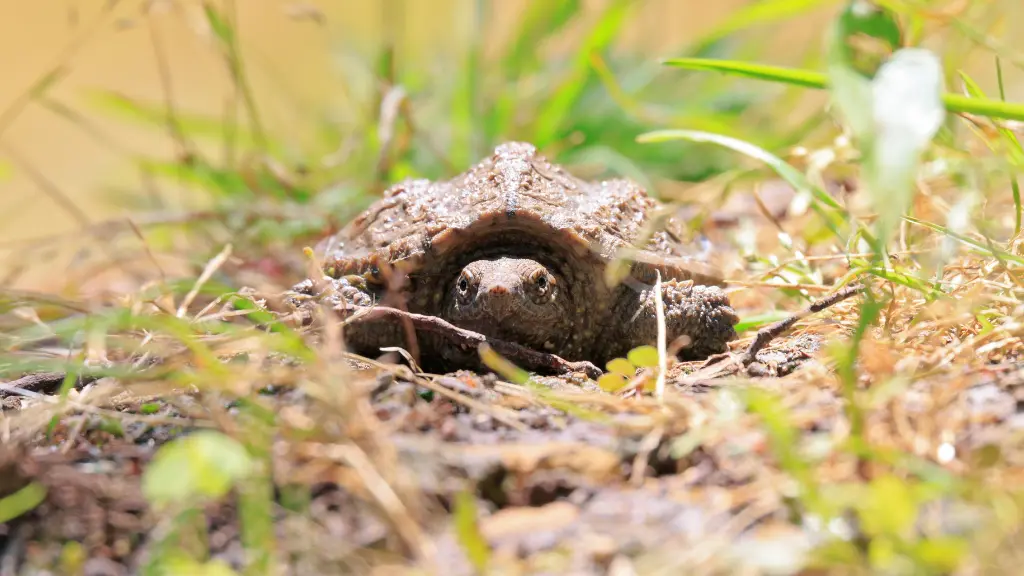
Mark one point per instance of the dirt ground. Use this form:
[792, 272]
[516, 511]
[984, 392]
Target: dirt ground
[624, 485]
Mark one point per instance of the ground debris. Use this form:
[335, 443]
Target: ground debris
[372, 460]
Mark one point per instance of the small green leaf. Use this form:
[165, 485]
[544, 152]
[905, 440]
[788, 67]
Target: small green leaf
[882, 553]
[202, 465]
[183, 566]
[112, 426]
[611, 382]
[22, 501]
[621, 366]
[889, 508]
[941, 554]
[986, 456]
[859, 20]
[72, 558]
[644, 356]
[467, 530]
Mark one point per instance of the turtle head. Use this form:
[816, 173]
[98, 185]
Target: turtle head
[515, 299]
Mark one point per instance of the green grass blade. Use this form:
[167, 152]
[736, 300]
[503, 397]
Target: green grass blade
[197, 126]
[1015, 151]
[553, 112]
[224, 30]
[830, 211]
[466, 101]
[700, 119]
[1014, 185]
[809, 79]
[897, 277]
[759, 14]
[1015, 188]
[22, 501]
[542, 20]
[467, 530]
[795, 76]
[824, 205]
[984, 107]
[791, 175]
[988, 248]
[760, 320]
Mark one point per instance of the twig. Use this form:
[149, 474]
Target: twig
[382, 492]
[56, 72]
[149, 252]
[643, 456]
[531, 359]
[775, 285]
[659, 309]
[714, 366]
[773, 331]
[105, 229]
[43, 382]
[167, 87]
[212, 266]
[502, 415]
[14, 550]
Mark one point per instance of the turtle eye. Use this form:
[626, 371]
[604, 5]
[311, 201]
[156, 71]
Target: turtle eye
[374, 276]
[542, 281]
[465, 281]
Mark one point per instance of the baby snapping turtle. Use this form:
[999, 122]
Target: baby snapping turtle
[517, 249]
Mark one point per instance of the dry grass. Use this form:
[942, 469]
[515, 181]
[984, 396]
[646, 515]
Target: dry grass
[171, 422]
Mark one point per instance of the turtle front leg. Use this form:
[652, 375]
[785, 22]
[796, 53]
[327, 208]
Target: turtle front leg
[348, 298]
[699, 314]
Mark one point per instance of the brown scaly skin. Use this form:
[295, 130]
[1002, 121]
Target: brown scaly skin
[700, 312]
[476, 251]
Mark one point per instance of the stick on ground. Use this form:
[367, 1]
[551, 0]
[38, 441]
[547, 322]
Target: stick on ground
[773, 331]
[527, 357]
[43, 382]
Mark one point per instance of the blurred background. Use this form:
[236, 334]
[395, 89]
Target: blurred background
[102, 101]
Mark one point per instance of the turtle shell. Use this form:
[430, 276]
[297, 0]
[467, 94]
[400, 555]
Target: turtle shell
[413, 242]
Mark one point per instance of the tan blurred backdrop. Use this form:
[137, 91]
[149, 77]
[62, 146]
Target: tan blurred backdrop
[293, 62]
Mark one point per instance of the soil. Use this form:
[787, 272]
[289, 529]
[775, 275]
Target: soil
[632, 485]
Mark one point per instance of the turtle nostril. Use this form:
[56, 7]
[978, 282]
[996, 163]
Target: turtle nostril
[497, 290]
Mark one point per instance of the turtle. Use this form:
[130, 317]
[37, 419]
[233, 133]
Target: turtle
[519, 250]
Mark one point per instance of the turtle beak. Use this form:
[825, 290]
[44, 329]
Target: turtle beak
[499, 302]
